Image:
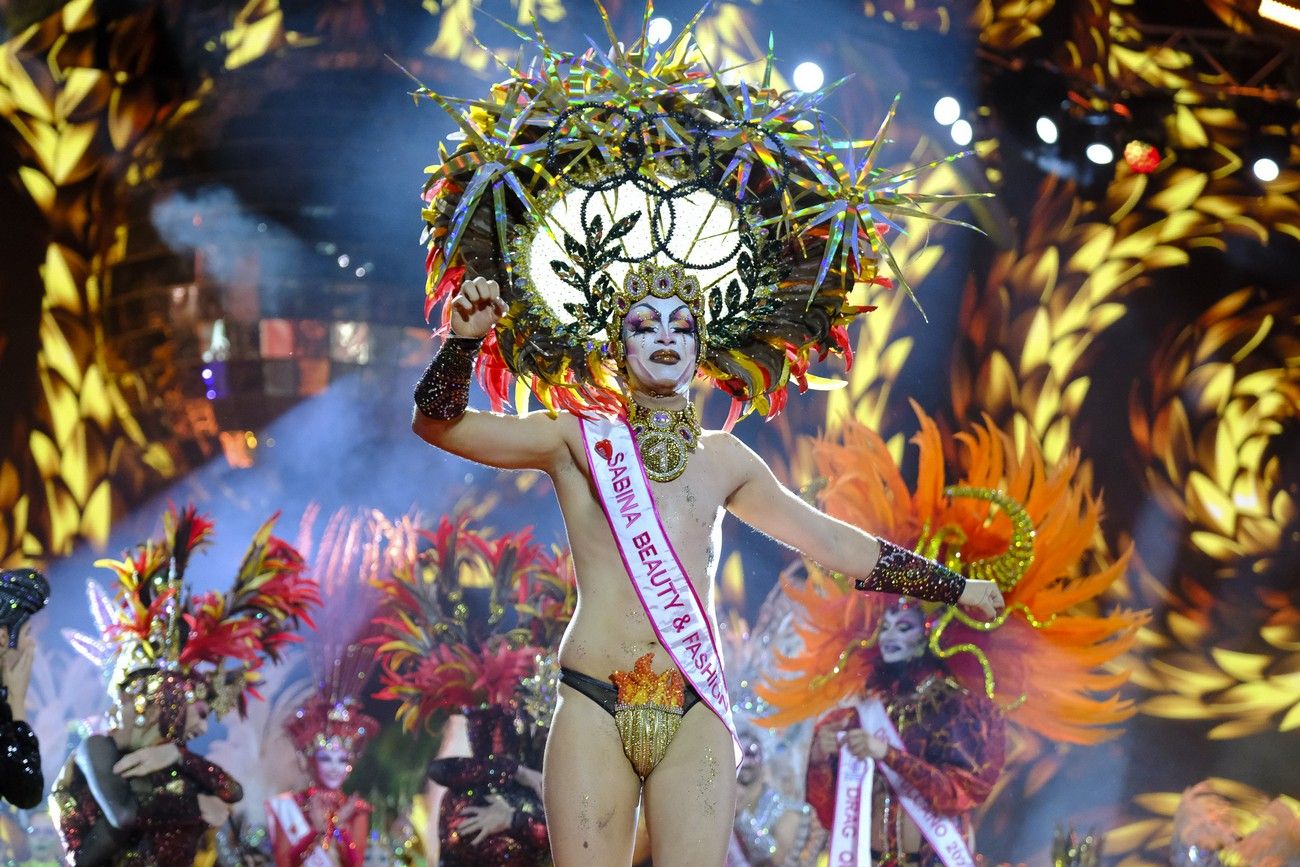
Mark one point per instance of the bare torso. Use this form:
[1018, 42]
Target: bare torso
[610, 630]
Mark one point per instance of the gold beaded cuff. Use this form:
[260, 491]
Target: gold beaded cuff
[443, 392]
[909, 574]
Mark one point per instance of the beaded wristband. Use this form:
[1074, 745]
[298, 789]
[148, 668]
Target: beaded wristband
[443, 392]
[909, 574]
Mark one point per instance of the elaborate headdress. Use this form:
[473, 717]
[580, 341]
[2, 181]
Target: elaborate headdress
[470, 618]
[1041, 656]
[163, 644]
[23, 592]
[350, 557]
[585, 182]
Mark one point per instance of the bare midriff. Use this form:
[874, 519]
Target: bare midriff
[610, 630]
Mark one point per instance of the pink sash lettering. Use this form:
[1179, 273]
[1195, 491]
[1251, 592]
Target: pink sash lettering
[670, 601]
[851, 828]
[853, 823]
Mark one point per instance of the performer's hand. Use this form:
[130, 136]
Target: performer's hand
[483, 822]
[983, 596]
[146, 760]
[828, 741]
[16, 670]
[530, 778]
[476, 308]
[858, 742]
[215, 812]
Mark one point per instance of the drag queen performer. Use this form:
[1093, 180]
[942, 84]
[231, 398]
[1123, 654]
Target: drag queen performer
[137, 795]
[320, 825]
[482, 652]
[914, 699]
[952, 744]
[23, 592]
[607, 237]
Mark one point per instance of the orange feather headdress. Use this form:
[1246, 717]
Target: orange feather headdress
[1045, 656]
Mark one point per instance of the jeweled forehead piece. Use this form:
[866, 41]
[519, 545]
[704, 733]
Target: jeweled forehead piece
[650, 280]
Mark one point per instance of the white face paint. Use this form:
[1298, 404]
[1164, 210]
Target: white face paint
[902, 634]
[661, 338]
[331, 768]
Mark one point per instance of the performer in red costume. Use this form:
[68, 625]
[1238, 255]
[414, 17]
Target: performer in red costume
[914, 699]
[320, 825]
[952, 742]
[485, 652]
[137, 795]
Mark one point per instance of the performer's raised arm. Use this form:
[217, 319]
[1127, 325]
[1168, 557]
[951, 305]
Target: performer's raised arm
[442, 418]
[768, 506]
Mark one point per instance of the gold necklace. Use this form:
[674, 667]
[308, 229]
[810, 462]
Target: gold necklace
[665, 439]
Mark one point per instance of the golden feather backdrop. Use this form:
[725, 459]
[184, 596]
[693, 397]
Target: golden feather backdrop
[1137, 325]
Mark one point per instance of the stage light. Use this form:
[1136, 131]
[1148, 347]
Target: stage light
[658, 31]
[212, 395]
[947, 110]
[360, 272]
[808, 76]
[1047, 131]
[344, 260]
[962, 133]
[1283, 13]
[1266, 169]
[207, 373]
[1268, 149]
[1100, 153]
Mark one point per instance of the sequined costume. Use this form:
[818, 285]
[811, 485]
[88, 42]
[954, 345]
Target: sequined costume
[647, 708]
[500, 744]
[23, 593]
[1004, 513]
[479, 651]
[343, 839]
[755, 835]
[152, 820]
[168, 651]
[20, 760]
[955, 744]
[320, 825]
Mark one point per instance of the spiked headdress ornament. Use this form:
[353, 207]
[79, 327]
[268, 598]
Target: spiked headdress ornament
[586, 179]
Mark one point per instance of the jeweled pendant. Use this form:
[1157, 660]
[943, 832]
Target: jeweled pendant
[663, 454]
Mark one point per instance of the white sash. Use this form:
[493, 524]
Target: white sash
[656, 572]
[942, 832]
[851, 830]
[288, 815]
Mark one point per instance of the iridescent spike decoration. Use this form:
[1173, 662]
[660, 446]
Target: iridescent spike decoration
[580, 167]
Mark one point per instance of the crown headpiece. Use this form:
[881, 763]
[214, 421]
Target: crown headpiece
[322, 724]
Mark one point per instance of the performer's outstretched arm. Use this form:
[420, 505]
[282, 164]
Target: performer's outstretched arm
[765, 504]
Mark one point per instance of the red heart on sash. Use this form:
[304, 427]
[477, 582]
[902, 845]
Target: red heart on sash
[605, 449]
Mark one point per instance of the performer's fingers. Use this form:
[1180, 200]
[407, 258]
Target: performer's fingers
[500, 304]
[490, 289]
[463, 304]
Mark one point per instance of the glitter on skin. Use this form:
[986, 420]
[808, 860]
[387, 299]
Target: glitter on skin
[708, 780]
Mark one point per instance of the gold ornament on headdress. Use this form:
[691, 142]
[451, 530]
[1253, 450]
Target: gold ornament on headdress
[1006, 569]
